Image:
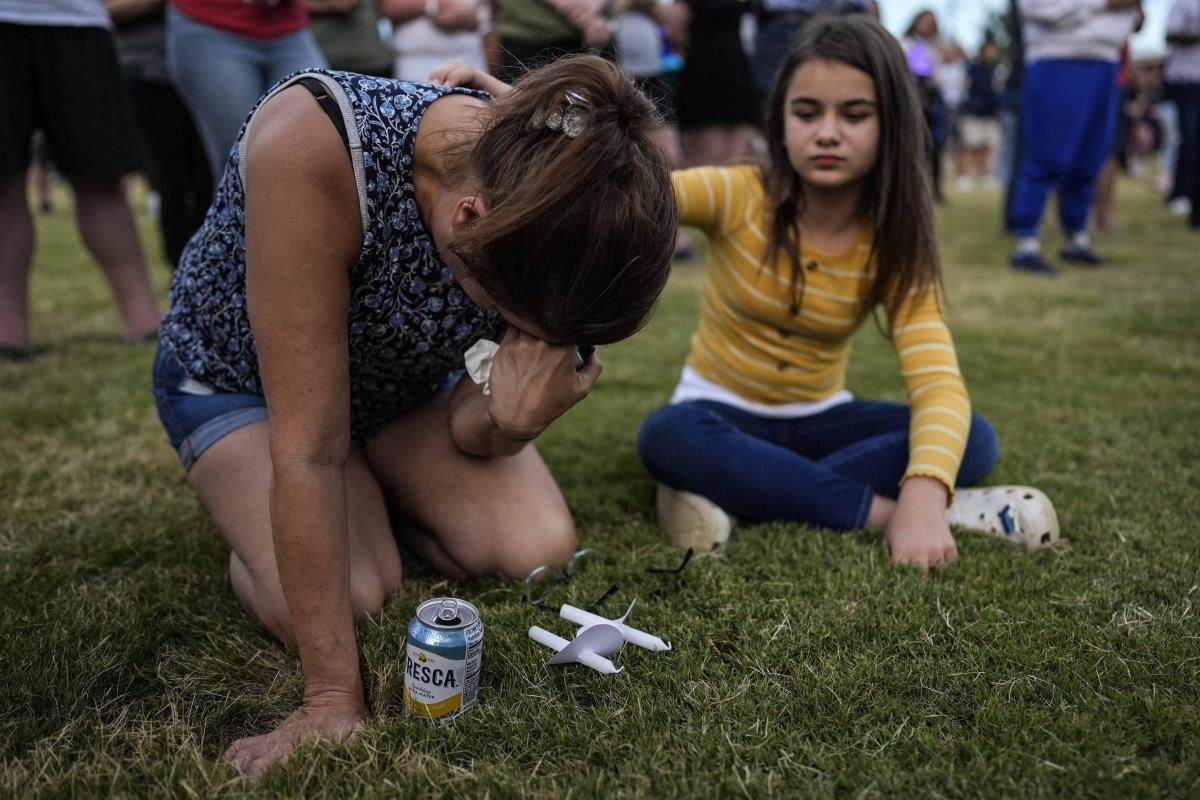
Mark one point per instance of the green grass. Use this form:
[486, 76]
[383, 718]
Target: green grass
[805, 664]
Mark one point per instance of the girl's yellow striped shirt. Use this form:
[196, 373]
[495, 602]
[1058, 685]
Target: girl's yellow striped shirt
[749, 341]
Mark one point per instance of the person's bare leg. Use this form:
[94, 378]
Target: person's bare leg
[39, 177]
[473, 516]
[705, 146]
[16, 256]
[107, 227]
[1106, 192]
[667, 138]
[742, 142]
[233, 480]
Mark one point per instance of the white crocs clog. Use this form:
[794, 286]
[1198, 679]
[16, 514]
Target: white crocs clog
[690, 520]
[1019, 514]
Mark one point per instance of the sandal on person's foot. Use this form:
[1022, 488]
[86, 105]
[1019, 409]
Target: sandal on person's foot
[1018, 514]
[690, 520]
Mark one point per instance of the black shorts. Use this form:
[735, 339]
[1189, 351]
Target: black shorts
[65, 81]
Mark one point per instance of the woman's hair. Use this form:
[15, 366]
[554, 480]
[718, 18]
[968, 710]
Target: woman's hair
[897, 199]
[581, 230]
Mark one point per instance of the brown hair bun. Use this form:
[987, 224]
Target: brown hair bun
[581, 228]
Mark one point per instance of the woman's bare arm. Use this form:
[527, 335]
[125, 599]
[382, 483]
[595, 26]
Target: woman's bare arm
[303, 233]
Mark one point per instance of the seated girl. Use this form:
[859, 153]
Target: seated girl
[802, 251]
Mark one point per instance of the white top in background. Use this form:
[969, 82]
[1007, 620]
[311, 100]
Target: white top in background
[1183, 61]
[1074, 29]
[69, 13]
[422, 46]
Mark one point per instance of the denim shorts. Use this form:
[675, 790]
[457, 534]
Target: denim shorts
[194, 416]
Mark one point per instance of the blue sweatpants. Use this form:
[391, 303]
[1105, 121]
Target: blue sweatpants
[1069, 121]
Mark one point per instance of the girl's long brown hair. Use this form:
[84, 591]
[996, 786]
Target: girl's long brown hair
[897, 201]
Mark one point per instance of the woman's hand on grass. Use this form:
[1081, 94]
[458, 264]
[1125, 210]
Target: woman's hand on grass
[335, 716]
[455, 74]
[918, 533]
[534, 382]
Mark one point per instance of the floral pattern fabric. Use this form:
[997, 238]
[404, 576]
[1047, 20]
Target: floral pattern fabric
[409, 321]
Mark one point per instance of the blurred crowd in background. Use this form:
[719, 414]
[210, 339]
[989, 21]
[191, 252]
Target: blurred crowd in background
[192, 69]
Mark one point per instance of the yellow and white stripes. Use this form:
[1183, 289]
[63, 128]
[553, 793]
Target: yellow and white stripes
[749, 342]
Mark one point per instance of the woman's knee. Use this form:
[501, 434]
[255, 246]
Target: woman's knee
[261, 597]
[516, 544]
[552, 541]
[982, 452]
[372, 582]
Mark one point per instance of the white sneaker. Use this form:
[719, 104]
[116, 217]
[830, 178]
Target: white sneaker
[1019, 514]
[1179, 207]
[964, 183]
[690, 520]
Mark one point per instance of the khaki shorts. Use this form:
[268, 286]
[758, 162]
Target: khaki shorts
[980, 133]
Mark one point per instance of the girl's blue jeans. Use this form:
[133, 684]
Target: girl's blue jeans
[821, 470]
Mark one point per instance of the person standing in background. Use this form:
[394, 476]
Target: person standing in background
[638, 39]
[225, 54]
[718, 103]
[348, 33]
[952, 83]
[67, 45]
[980, 127]
[923, 47]
[1069, 112]
[778, 23]
[429, 33]
[1009, 157]
[1183, 90]
[535, 32]
[174, 157]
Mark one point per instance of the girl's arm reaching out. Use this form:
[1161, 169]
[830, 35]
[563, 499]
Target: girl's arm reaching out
[713, 199]
[941, 421]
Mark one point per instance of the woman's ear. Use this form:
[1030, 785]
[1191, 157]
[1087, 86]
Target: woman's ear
[470, 208]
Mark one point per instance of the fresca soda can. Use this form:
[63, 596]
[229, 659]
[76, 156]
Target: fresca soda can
[444, 652]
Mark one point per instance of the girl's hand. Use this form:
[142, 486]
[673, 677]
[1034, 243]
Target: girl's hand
[454, 74]
[534, 382]
[333, 716]
[918, 533]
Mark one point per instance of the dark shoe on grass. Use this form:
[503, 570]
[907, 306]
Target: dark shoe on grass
[1033, 263]
[11, 354]
[1083, 256]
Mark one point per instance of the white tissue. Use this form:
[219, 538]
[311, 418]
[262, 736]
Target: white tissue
[478, 360]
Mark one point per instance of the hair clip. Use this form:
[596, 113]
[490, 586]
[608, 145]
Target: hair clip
[570, 118]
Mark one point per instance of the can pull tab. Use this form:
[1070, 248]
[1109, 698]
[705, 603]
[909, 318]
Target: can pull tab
[448, 613]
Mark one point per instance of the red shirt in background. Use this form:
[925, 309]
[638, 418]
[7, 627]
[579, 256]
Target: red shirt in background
[254, 18]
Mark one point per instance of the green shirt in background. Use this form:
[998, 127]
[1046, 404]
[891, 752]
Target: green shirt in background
[534, 21]
[351, 41]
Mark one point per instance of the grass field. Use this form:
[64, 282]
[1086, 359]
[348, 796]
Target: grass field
[805, 664]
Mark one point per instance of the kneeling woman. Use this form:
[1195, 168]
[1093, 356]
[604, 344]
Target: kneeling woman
[365, 234]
